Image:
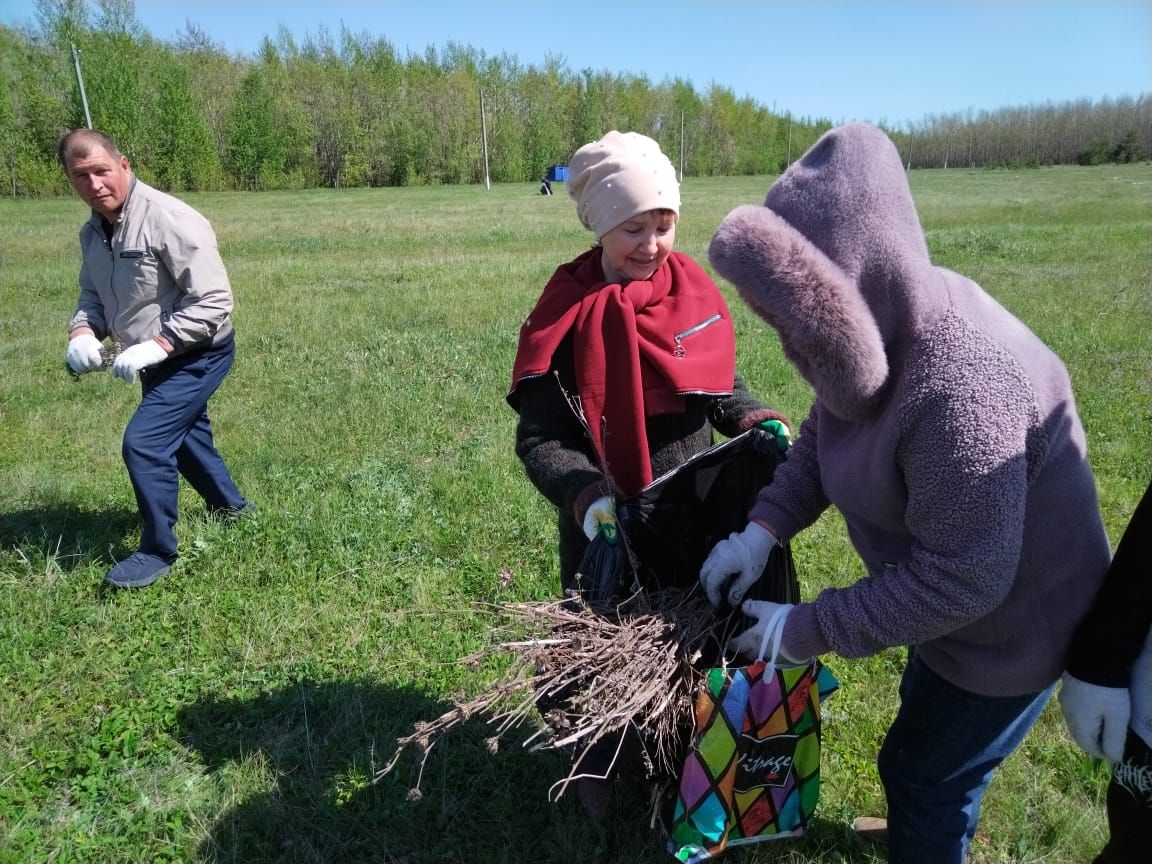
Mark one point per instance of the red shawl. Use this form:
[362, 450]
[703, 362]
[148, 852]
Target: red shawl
[636, 349]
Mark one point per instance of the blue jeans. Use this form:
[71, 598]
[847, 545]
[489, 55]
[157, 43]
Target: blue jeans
[170, 435]
[937, 760]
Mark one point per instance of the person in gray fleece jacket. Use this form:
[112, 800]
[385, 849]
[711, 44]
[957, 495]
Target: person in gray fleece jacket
[946, 434]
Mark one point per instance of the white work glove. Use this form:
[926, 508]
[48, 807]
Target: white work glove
[744, 553]
[602, 512]
[137, 357]
[1096, 716]
[84, 354]
[748, 643]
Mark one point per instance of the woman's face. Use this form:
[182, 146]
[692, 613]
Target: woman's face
[636, 248]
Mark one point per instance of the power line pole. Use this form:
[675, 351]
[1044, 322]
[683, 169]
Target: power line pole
[484, 135]
[80, 81]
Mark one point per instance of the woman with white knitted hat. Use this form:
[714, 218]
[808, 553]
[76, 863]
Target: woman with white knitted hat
[626, 364]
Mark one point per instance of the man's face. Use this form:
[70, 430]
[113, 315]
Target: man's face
[100, 180]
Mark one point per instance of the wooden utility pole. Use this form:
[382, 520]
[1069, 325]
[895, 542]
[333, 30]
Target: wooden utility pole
[484, 136]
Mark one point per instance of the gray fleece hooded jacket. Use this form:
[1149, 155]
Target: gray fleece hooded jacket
[944, 431]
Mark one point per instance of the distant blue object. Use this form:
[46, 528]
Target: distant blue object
[558, 173]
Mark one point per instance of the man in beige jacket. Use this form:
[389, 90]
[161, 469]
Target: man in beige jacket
[152, 282]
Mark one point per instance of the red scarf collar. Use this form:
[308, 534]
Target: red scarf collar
[638, 349]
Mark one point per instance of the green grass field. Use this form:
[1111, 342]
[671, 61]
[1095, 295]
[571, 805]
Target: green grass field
[237, 710]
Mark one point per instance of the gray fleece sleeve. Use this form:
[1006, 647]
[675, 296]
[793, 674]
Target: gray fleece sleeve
[795, 498]
[964, 456]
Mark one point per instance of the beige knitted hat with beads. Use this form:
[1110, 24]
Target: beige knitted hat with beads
[619, 176]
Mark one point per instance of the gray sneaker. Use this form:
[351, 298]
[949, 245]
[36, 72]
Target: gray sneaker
[138, 570]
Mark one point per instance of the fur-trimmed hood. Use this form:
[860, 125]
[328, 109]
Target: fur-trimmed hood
[836, 262]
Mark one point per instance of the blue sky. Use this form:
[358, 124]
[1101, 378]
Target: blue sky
[893, 62]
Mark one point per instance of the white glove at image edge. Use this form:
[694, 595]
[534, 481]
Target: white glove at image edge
[1097, 717]
[137, 357]
[84, 354]
[744, 554]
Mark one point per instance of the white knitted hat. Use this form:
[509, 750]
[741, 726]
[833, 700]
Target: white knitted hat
[619, 176]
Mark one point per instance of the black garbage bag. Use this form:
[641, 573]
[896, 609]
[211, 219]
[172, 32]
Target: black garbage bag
[601, 570]
[669, 527]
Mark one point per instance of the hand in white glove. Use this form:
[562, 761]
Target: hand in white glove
[744, 554]
[137, 357]
[84, 354]
[601, 516]
[1096, 716]
[748, 643]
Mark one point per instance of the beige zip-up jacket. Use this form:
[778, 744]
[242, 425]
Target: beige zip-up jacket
[159, 275]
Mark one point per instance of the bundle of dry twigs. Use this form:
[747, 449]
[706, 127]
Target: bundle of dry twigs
[592, 673]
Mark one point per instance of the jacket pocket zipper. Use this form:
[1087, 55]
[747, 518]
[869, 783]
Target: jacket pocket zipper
[679, 338]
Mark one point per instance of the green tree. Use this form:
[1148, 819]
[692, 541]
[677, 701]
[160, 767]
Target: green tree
[185, 155]
[351, 111]
[323, 87]
[62, 22]
[213, 78]
[589, 107]
[34, 111]
[507, 126]
[376, 80]
[254, 148]
[685, 112]
[546, 140]
[294, 164]
[112, 78]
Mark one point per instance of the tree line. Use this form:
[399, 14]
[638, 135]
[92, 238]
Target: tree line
[348, 109]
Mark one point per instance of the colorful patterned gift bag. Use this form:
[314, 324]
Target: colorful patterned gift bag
[752, 772]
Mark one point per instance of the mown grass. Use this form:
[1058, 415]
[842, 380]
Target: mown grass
[237, 711]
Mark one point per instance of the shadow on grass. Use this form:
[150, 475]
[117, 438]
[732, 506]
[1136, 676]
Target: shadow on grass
[315, 748]
[70, 536]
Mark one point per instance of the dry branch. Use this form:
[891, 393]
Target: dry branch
[591, 674]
